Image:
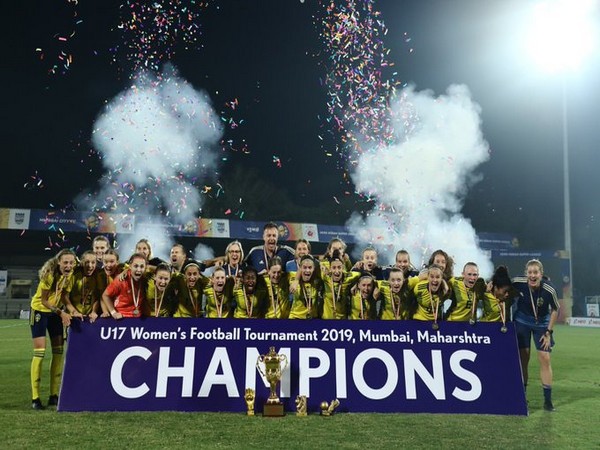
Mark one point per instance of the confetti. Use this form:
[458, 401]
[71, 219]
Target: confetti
[357, 87]
[151, 32]
[34, 182]
[56, 57]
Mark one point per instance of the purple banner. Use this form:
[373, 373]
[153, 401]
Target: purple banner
[377, 366]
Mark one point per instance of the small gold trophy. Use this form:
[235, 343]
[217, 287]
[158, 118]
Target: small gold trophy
[301, 406]
[328, 408]
[272, 362]
[249, 397]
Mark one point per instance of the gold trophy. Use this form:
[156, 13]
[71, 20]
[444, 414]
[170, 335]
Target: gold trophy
[272, 362]
[328, 408]
[249, 397]
[301, 406]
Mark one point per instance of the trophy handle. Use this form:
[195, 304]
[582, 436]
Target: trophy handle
[260, 359]
[283, 358]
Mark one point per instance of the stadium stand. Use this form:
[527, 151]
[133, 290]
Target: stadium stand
[17, 297]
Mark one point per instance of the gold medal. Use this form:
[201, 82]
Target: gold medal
[136, 299]
[503, 329]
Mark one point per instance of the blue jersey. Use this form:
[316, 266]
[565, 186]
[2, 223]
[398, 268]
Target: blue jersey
[534, 306]
[291, 266]
[257, 256]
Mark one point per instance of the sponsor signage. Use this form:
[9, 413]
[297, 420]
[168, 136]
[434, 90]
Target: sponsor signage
[82, 221]
[584, 322]
[19, 219]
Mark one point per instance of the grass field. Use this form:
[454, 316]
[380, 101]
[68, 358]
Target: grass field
[575, 424]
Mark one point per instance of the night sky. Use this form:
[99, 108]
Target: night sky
[268, 55]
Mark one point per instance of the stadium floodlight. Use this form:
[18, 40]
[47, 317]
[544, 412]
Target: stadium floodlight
[560, 37]
[561, 34]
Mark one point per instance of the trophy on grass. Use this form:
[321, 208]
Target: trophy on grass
[249, 398]
[301, 406]
[328, 408]
[272, 363]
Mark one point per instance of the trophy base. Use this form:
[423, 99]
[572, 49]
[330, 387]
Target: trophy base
[273, 410]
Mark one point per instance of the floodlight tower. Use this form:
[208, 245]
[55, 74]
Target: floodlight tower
[561, 36]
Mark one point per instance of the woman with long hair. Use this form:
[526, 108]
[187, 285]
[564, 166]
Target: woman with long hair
[47, 316]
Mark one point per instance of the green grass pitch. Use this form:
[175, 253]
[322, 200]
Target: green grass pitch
[575, 424]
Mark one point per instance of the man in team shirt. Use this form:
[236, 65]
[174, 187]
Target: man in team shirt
[259, 256]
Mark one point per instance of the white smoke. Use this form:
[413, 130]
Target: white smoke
[419, 183]
[156, 140]
[202, 253]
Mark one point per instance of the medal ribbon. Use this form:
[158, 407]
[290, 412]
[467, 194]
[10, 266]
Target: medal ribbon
[136, 300]
[473, 304]
[437, 305]
[83, 293]
[158, 307]
[58, 290]
[237, 268]
[533, 306]
[272, 288]
[339, 292]
[194, 302]
[267, 257]
[248, 308]
[307, 299]
[362, 308]
[394, 307]
[219, 304]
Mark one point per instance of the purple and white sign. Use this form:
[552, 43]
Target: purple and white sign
[375, 366]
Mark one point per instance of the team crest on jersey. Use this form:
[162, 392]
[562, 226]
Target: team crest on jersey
[38, 317]
[540, 301]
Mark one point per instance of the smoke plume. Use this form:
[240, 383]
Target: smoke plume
[156, 139]
[419, 183]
